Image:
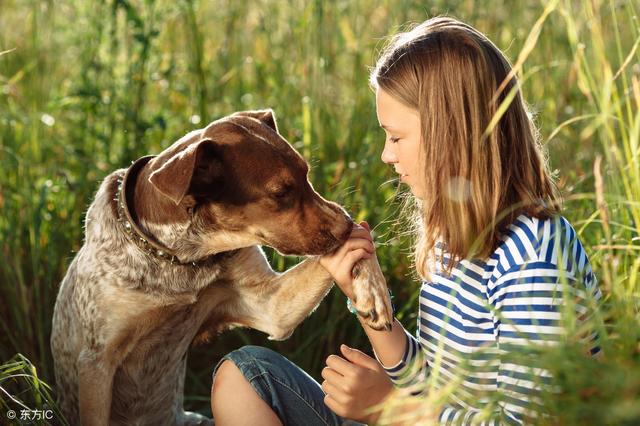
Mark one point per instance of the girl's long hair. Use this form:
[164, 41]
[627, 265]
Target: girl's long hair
[478, 175]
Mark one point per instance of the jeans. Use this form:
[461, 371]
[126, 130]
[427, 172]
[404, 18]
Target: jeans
[295, 397]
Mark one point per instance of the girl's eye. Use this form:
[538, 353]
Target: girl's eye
[394, 140]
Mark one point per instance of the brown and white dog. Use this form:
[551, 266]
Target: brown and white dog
[171, 255]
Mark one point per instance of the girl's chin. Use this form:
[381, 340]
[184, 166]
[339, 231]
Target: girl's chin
[415, 191]
[417, 195]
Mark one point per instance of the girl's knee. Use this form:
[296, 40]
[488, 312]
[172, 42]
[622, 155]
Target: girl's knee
[226, 378]
[233, 398]
[226, 375]
[240, 366]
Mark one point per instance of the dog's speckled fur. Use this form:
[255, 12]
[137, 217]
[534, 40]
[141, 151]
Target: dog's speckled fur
[123, 320]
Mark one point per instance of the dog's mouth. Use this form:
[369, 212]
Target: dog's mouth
[345, 234]
[312, 240]
[317, 245]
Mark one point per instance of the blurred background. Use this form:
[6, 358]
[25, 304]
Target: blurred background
[87, 87]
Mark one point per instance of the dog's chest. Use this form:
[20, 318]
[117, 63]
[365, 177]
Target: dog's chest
[161, 335]
[154, 364]
[167, 333]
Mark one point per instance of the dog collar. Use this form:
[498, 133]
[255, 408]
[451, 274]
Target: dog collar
[144, 241]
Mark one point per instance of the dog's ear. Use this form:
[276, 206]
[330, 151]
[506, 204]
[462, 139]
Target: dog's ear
[192, 171]
[264, 115]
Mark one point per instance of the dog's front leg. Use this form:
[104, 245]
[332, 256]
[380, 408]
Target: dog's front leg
[299, 290]
[276, 303]
[95, 383]
[296, 293]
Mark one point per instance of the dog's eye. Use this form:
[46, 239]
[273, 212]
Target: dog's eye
[282, 193]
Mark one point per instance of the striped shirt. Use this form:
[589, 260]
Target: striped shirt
[470, 321]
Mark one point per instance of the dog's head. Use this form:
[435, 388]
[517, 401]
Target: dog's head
[241, 183]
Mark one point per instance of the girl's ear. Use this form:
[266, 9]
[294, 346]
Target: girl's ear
[191, 171]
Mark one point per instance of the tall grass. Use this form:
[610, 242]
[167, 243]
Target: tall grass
[86, 87]
[25, 396]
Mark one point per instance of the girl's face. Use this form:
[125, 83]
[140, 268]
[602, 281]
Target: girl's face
[402, 145]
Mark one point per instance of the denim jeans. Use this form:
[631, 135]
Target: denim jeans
[295, 397]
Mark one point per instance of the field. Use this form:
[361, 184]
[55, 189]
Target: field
[87, 87]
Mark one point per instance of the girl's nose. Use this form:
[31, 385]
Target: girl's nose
[388, 156]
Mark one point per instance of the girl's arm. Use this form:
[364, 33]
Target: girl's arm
[357, 382]
[389, 347]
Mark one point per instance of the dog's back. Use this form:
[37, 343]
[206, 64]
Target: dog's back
[66, 341]
[75, 313]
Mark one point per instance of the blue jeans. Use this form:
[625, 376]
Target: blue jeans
[293, 395]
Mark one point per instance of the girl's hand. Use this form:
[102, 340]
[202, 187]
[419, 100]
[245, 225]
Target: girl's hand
[340, 263]
[354, 384]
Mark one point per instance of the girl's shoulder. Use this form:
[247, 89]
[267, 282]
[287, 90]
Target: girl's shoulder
[545, 243]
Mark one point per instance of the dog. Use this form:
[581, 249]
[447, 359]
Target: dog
[172, 255]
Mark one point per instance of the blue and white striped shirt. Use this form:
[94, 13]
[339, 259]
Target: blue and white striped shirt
[469, 320]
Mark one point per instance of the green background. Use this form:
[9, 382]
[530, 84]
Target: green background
[87, 87]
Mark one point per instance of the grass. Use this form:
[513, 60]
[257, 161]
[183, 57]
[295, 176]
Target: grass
[25, 396]
[86, 87]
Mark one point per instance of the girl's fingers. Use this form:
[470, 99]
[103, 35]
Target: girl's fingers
[343, 271]
[360, 232]
[330, 375]
[341, 365]
[334, 405]
[354, 256]
[334, 391]
[341, 253]
[360, 243]
[360, 358]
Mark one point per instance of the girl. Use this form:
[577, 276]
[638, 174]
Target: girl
[493, 252]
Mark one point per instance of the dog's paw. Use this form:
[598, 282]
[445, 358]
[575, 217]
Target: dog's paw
[370, 295]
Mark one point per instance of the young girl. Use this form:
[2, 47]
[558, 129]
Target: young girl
[492, 250]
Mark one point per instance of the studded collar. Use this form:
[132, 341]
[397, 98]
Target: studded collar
[143, 240]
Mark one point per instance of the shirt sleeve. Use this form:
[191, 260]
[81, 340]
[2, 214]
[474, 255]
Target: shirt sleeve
[528, 302]
[412, 370]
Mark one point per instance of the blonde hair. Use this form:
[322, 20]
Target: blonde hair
[477, 179]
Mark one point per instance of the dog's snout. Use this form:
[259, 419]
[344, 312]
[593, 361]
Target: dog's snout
[342, 231]
[347, 232]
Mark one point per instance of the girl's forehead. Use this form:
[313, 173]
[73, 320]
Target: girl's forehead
[393, 114]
